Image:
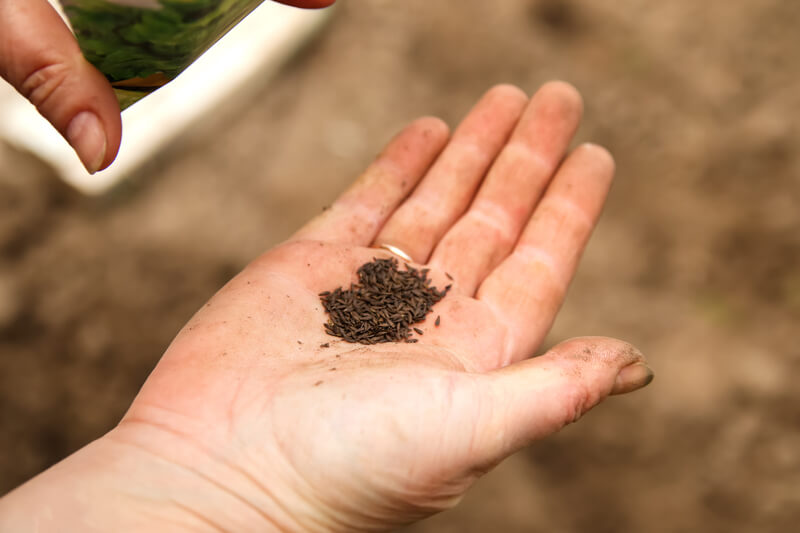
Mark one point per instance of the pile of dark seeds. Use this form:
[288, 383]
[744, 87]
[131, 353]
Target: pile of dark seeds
[383, 305]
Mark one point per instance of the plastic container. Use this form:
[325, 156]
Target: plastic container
[140, 45]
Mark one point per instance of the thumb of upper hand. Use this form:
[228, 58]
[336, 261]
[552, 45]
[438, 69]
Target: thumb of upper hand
[41, 59]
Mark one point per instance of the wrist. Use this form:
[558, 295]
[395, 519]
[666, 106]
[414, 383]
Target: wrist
[121, 482]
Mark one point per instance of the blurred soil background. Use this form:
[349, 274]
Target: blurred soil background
[695, 260]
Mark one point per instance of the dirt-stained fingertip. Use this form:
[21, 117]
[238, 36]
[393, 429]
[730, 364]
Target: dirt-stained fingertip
[431, 125]
[633, 377]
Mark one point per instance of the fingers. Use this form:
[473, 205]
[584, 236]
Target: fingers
[357, 215]
[307, 4]
[447, 190]
[488, 230]
[537, 397]
[527, 288]
[41, 59]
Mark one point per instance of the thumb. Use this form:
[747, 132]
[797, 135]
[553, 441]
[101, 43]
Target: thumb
[307, 4]
[537, 397]
[41, 59]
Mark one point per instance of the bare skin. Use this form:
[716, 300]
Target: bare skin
[249, 424]
[40, 57]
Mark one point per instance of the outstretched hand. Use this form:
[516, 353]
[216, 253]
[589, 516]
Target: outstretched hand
[255, 417]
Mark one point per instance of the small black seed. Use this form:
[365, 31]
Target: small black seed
[325, 345]
[419, 331]
[438, 321]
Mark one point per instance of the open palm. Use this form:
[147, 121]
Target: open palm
[306, 431]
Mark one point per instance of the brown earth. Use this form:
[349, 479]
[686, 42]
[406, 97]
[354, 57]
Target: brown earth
[695, 260]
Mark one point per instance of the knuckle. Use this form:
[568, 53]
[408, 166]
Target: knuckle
[578, 399]
[494, 221]
[519, 154]
[42, 83]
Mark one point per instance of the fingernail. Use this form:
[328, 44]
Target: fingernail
[632, 377]
[86, 135]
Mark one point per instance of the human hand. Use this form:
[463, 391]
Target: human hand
[248, 423]
[40, 57]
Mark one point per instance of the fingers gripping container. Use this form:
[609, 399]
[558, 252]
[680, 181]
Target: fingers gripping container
[141, 45]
